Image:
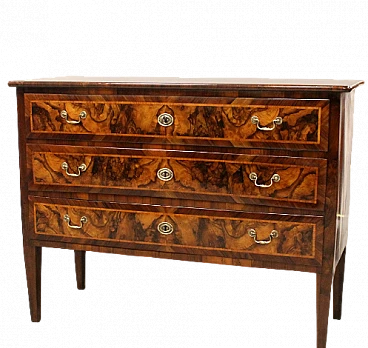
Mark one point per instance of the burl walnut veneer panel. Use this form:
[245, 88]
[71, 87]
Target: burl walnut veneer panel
[215, 235]
[300, 179]
[220, 120]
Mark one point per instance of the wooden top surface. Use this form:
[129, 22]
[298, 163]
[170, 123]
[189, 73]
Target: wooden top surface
[223, 83]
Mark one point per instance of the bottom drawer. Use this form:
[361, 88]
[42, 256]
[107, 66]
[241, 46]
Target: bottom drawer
[265, 234]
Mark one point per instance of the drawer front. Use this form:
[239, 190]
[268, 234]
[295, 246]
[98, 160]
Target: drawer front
[285, 180]
[222, 121]
[181, 233]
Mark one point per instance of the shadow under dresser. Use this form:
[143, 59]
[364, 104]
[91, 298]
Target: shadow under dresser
[249, 172]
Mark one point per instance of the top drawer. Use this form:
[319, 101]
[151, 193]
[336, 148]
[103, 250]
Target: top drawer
[238, 122]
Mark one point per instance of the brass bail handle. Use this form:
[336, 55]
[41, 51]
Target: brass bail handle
[83, 220]
[275, 178]
[65, 116]
[277, 121]
[81, 168]
[252, 233]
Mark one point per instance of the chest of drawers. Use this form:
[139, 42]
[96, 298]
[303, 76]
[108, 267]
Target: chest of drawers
[242, 172]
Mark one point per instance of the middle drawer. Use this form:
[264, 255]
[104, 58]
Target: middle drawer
[287, 181]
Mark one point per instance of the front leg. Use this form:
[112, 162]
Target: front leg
[80, 268]
[324, 282]
[32, 260]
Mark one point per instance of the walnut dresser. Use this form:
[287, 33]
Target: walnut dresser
[249, 172]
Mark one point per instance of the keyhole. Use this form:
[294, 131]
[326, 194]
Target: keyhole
[165, 174]
[165, 228]
[165, 119]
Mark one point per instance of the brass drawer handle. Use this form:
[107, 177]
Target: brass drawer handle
[82, 116]
[276, 121]
[165, 174]
[252, 233]
[165, 228]
[165, 119]
[83, 220]
[81, 168]
[275, 178]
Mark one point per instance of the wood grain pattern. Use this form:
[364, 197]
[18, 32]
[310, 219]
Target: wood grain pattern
[338, 286]
[295, 239]
[33, 261]
[251, 84]
[303, 122]
[80, 268]
[345, 147]
[211, 148]
[299, 182]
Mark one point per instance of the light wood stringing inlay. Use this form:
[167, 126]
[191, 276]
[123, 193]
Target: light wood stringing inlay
[207, 232]
[298, 183]
[227, 121]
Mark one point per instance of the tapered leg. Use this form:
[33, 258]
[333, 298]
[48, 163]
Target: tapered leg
[338, 285]
[80, 268]
[324, 282]
[32, 259]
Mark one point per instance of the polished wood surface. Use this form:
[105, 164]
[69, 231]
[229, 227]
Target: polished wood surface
[303, 121]
[203, 232]
[301, 179]
[80, 268]
[32, 259]
[172, 82]
[211, 148]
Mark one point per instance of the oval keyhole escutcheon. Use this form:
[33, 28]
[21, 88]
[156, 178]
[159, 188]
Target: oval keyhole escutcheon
[165, 228]
[165, 174]
[165, 119]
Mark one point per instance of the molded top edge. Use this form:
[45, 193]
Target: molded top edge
[172, 82]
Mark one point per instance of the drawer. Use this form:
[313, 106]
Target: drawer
[240, 178]
[239, 122]
[271, 236]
